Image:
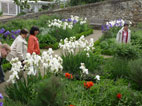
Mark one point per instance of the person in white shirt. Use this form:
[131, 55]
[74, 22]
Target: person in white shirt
[124, 34]
[19, 47]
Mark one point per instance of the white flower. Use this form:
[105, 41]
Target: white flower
[87, 54]
[84, 70]
[97, 77]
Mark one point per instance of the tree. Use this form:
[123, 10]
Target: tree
[23, 3]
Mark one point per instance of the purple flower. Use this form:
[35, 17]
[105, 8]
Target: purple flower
[1, 104]
[17, 32]
[107, 27]
[69, 20]
[74, 21]
[2, 30]
[1, 97]
[6, 33]
[13, 37]
[103, 29]
[110, 25]
[63, 20]
[12, 32]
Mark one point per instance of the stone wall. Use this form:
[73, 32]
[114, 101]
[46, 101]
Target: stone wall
[97, 13]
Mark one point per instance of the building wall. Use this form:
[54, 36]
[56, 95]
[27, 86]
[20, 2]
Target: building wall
[98, 13]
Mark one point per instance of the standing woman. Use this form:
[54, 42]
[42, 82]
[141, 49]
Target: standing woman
[33, 44]
[124, 34]
[19, 46]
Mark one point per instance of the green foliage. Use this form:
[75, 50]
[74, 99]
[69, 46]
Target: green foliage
[1, 13]
[105, 94]
[85, 33]
[60, 33]
[79, 2]
[127, 51]
[111, 33]
[46, 39]
[50, 92]
[71, 62]
[136, 72]
[9, 102]
[22, 90]
[50, 41]
[137, 38]
[116, 68]
[108, 46]
[6, 67]
[22, 23]
[139, 25]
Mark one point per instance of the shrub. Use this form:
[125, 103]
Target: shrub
[127, 51]
[136, 72]
[108, 46]
[116, 68]
[136, 38]
[50, 92]
[85, 33]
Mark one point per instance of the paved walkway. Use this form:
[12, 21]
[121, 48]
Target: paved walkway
[96, 35]
[6, 17]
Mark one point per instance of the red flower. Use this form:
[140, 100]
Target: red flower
[69, 76]
[71, 105]
[88, 84]
[119, 96]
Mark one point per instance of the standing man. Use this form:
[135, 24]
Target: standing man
[124, 34]
[4, 50]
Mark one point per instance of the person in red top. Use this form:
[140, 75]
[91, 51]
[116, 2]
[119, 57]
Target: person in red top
[33, 44]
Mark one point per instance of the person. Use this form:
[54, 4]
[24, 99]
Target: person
[19, 47]
[124, 34]
[4, 51]
[33, 44]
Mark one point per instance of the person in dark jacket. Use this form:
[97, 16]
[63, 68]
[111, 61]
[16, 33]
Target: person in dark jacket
[4, 50]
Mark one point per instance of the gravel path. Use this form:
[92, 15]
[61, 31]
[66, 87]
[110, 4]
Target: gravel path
[96, 35]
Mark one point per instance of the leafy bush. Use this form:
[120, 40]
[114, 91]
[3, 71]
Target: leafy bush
[136, 38]
[71, 62]
[85, 33]
[108, 46]
[60, 33]
[136, 72]
[116, 68]
[105, 94]
[127, 51]
[50, 92]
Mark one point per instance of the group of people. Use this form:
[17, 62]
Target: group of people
[20, 47]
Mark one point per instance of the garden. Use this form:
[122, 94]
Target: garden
[82, 75]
